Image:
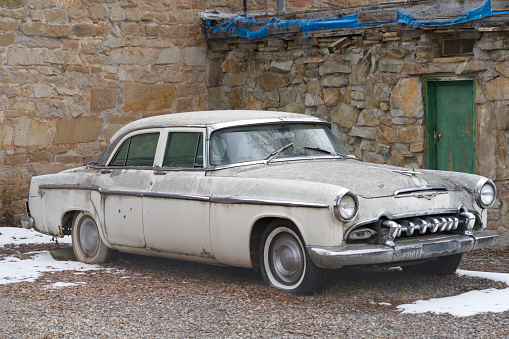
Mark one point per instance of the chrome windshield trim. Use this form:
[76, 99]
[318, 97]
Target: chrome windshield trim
[277, 160]
[225, 200]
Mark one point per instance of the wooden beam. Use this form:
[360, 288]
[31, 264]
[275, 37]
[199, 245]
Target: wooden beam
[499, 5]
[370, 17]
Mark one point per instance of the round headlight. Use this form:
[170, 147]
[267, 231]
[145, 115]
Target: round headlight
[485, 193]
[346, 205]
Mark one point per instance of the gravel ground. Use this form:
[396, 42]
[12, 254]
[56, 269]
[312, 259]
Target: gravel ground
[159, 298]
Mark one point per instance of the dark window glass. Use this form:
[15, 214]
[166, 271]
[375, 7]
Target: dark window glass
[457, 46]
[139, 150]
[184, 150]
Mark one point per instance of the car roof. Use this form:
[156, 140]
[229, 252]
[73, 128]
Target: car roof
[203, 119]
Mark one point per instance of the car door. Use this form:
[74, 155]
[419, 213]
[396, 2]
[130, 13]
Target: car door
[122, 183]
[176, 210]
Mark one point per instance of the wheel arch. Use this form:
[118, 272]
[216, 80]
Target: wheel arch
[257, 230]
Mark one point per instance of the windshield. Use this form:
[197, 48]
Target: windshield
[264, 142]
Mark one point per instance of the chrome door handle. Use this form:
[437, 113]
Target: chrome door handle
[105, 171]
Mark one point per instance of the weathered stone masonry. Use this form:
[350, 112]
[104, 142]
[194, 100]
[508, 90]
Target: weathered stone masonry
[371, 89]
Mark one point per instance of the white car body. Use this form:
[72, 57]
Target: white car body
[219, 214]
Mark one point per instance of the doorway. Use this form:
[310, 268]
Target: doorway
[450, 125]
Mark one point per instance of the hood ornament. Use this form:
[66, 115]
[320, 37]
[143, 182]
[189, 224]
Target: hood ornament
[412, 172]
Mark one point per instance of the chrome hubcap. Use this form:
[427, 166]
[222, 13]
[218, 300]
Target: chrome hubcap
[287, 259]
[89, 237]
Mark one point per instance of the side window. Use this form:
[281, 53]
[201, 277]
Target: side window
[184, 150]
[139, 150]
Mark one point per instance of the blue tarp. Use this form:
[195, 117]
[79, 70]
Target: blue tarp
[232, 25]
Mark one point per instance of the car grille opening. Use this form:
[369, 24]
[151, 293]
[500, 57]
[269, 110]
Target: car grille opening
[388, 231]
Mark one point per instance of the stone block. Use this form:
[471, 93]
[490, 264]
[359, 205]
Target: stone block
[273, 81]
[23, 104]
[117, 14]
[29, 132]
[148, 97]
[230, 65]
[332, 68]
[8, 25]
[407, 97]
[391, 65]
[6, 39]
[333, 81]
[98, 12]
[133, 15]
[362, 132]
[89, 30]
[235, 79]
[77, 130]
[366, 119]
[57, 31]
[102, 99]
[12, 3]
[6, 133]
[15, 14]
[344, 115]
[236, 98]
[132, 28]
[56, 15]
[61, 57]
[152, 29]
[281, 66]
[310, 60]
[15, 160]
[130, 56]
[24, 57]
[37, 90]
[49, 108]
[411, 134]
[497, 89]
[491, 45]
[77, 14]
[78, 106]
[194, 56]
[386, 134]
[332, 96]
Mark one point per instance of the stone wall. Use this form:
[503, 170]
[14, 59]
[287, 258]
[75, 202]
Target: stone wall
[371, 89]
[72, 72]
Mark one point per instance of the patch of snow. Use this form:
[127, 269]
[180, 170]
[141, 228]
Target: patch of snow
[14, 269]
[384, 304]
[58, 285]
[469, 303]
[18, 236]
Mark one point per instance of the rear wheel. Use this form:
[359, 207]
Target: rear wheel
[87, 244]
[441, 266]
[285, 263]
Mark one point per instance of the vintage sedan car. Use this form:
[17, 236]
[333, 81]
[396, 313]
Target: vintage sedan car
[266, 190]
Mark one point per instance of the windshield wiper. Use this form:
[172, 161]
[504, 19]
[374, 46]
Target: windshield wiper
[324, 151]
[273, 154]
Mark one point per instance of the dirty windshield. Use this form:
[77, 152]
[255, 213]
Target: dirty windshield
[273, 141]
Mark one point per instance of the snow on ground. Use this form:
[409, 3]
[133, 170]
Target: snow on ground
[14, 269]
[18, 236]
[469, 303]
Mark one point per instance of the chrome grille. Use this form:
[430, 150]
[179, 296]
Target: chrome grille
[386, 231]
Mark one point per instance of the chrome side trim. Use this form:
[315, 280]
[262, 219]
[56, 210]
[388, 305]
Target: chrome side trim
[220, 200]
[416, 249]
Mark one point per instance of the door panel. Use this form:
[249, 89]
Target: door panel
[451, 125]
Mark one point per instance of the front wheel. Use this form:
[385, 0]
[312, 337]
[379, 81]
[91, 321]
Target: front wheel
[87, 244]
[285, 263]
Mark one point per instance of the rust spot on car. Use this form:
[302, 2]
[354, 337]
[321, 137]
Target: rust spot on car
[206, 254]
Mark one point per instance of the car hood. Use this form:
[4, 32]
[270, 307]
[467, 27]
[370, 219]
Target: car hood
[364, 179]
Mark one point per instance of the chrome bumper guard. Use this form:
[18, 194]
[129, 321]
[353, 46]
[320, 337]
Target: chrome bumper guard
[404, 250]
[26, 220]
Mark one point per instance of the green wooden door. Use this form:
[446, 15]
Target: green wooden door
[451, 125]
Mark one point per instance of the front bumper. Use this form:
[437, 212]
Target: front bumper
[26, 220]
[404, 250]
